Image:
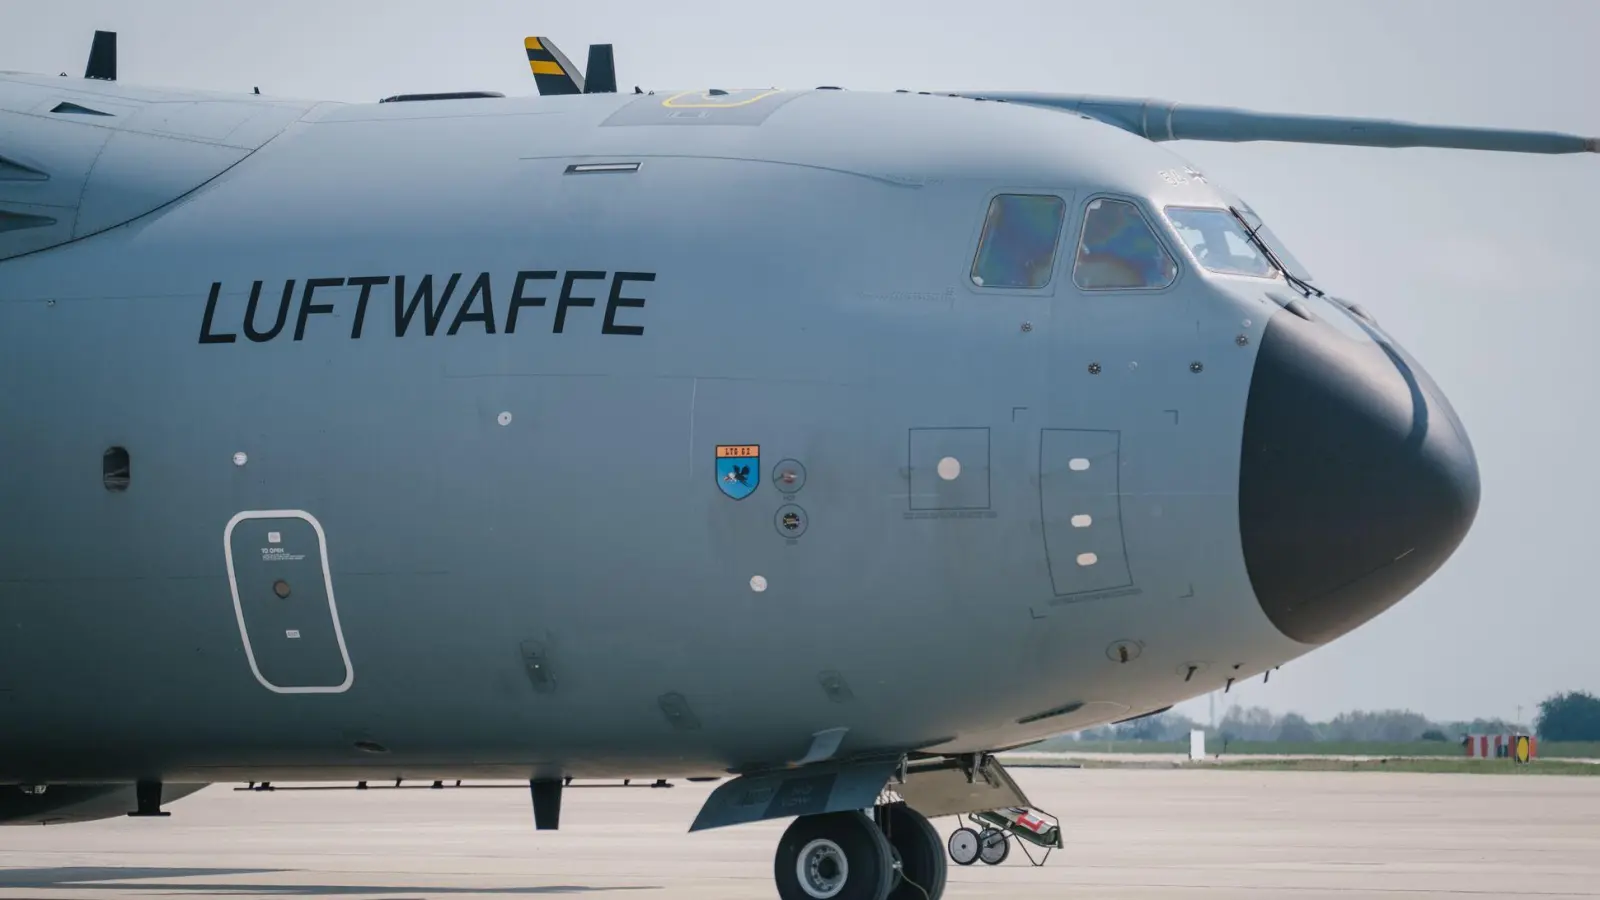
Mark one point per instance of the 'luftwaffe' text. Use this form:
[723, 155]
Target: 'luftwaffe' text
[475, 311]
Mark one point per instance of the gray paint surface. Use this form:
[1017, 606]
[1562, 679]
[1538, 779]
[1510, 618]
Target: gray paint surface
[589, 521]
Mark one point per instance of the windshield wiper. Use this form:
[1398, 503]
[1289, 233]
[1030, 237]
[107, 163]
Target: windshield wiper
[1306, 288]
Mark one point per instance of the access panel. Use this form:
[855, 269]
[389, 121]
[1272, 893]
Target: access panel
[949, 468]
[283, 597]
[1081, 503]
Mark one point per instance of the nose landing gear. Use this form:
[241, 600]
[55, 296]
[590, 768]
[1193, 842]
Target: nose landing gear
[895, 854]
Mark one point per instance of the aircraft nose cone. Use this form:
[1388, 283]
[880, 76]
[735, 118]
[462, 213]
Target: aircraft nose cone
[1356, 480]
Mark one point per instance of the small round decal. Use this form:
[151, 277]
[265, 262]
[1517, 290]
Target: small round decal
[791, 520]
[789, 476]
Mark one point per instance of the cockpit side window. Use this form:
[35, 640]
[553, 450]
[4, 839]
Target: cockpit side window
[1219, 242]
[1018, 247]
[1280, 253]
[1119, 250]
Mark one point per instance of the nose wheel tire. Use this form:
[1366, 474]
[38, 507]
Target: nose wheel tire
[915, 842]
[835, 856]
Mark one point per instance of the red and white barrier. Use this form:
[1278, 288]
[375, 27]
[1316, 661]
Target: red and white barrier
[1498, 746]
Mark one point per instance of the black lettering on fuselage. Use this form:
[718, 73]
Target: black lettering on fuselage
[262, 337]
[307, 307]
[431, 317]
[567, 300]
[366, 283]
[610, 326]
[476, 307]
[518, 301]
[206, 337]
[479, 288]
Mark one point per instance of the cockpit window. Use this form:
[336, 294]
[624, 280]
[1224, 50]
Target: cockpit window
[1120, 251]
[1219, 242]
[1018, 247]
[1275, 246]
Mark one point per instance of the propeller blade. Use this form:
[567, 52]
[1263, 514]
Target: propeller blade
[1161, 120]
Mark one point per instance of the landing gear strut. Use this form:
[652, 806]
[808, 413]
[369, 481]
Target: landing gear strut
[148, 796]
[895, 854]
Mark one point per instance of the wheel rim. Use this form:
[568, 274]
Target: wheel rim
[964, 845]
[992, 846]
[822, 869]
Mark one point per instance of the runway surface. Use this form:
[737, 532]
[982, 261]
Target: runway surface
[1130, 834]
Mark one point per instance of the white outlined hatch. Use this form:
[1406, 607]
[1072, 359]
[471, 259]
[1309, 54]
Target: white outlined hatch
[283, 598]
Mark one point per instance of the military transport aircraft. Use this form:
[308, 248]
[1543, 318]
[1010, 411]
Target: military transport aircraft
[821, 441]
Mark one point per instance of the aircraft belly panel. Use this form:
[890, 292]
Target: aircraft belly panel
[283, 598]
[1081, 504]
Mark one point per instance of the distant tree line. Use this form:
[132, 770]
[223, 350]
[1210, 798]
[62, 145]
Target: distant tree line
[1571, 716]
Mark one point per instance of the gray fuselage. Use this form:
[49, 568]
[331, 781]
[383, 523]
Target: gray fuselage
[534, 568]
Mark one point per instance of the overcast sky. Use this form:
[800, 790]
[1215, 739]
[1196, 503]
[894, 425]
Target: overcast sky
[1485, 265]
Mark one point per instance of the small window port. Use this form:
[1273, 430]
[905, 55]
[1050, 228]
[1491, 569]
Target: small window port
[116, 469]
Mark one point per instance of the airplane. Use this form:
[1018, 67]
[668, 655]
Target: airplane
[819, 442]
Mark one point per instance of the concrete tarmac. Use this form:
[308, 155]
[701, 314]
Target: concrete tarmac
[1129, 833]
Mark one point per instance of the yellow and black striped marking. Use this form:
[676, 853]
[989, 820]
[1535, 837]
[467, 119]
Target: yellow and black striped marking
[552, 71]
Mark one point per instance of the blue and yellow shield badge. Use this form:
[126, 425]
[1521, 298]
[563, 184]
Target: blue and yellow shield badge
[738, 469]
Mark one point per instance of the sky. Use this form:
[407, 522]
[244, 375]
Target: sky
[1483, 264]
